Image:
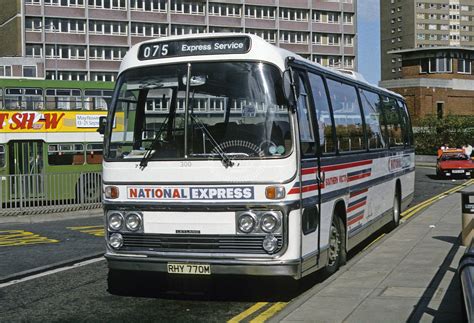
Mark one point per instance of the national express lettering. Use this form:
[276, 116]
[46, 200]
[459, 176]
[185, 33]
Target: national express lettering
[190, 193]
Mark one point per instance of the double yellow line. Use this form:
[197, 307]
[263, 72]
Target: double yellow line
[417, 208]
[262, 317]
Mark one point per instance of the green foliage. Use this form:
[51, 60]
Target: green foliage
[431, 133]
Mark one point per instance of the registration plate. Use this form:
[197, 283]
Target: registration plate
[458, 171]
[188, 269]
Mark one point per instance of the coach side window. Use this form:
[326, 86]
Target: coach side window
[392, 119]
[372, 113]
[347, 116]
[323, 114]
[406, 124]
[307, 141]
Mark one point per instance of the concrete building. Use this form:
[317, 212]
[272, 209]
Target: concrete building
[86, 39]
[437, 81]
[408, 24]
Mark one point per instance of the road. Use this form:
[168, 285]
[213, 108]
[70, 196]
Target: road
[79, 294]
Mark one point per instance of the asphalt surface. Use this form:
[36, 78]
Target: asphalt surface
[80, 294]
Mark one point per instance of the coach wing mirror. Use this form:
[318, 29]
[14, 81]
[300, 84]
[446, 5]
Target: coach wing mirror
[291, 88]
[195, 80]
[102, 124]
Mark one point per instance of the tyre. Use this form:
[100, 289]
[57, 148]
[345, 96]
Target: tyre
[397, 209]
[337, 246]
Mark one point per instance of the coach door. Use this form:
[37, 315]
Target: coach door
[310, 181]
[26, 169]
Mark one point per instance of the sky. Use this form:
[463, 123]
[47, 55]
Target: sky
[368, 33]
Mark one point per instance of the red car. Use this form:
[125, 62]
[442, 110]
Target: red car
[453, 163]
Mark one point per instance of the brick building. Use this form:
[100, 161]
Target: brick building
[86, 39]
[436, 81]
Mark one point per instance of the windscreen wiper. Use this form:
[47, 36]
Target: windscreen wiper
[224, 158]
[150, 152]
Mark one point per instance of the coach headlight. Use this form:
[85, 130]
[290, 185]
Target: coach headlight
[269, 222]
[270, 244]
[133, 221]
[116, 240]
[115, 221]
[247, 222]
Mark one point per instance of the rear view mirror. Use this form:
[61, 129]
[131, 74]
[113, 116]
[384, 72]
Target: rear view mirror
[291, 86]
[102, 124]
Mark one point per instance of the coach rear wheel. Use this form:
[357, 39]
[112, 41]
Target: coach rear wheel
[396, 211]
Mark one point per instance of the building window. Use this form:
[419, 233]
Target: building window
[348, 18]
[184, 30]
[268, 35]
[29, 71]
[107, 53]
[440, 65]
[149, 5]
[224, 10]
[34, 50]
[97, 27]
[66, 51]
[464, 66]
[333, 17]
[187, 7]
[424, 66]
[333, 39]
[103, 76]
[293, 14]
[72, 26]
[107, 4]
[148, 30]
[34, 2]
[257, 12]
[293, 37]
[33, 24]
[5, 70]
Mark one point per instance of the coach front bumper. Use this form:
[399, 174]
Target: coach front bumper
[218, 267]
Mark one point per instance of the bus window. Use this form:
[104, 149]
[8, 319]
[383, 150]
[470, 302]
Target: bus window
[304, 119]
[94, 153]
[323, 114]
[66, 154]
[406, 124]
[372, 112]
[347, 116]
[1, 99]
[97, 99]
[392, 118]
[63, 99]
[23, 99]
[2, 156]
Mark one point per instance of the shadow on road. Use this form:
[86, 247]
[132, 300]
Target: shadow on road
[218, 288]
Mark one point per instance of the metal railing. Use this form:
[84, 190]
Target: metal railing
[44, 193]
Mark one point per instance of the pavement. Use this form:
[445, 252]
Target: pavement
[408, 275]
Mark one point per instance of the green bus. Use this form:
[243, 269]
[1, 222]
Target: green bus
[50, 151]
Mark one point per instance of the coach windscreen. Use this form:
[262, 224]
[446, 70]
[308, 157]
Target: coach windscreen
[221, 110]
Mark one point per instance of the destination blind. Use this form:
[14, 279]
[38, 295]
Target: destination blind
[189, 47]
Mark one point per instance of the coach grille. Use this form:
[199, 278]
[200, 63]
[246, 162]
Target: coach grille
[251, 244]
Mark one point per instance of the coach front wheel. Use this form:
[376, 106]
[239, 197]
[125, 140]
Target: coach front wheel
[337, 246]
